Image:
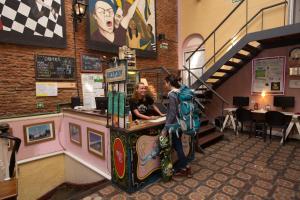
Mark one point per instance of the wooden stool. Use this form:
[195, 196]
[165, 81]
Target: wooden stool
[9, 189]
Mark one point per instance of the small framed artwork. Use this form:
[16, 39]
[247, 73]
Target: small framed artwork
[75, 133]
[96, 142]
[91, 63]
[39, 132]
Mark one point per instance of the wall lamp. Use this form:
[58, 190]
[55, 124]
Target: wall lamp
[79, 10]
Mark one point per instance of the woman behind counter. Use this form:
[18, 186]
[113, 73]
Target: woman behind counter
[141, 104]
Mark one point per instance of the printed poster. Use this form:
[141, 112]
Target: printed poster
[268, 75]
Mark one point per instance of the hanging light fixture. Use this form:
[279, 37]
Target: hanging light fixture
[79, 10]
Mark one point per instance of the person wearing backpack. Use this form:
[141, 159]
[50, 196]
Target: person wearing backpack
[181, 168]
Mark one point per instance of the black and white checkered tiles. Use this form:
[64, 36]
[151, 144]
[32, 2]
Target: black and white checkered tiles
[32, 17]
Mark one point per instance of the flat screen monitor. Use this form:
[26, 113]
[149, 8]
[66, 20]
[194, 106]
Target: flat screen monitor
[284, 101]
[240, 101]
[75, 101]
[101, 103]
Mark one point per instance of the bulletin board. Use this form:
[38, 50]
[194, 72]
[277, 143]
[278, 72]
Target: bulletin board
[268, 75]
[92, 86]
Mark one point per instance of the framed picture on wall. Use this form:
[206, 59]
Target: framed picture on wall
[91, 63]
[39, 132]
[33, 22]
[96, 142]
[75, 133]
[130, 23]
[268, 75]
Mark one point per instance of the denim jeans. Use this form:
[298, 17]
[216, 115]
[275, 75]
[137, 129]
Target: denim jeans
[177, 144]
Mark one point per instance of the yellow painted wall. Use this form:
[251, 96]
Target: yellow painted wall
[39, 177]
[203, 16]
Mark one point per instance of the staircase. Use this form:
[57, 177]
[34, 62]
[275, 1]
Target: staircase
[247, 49]
[232, 56]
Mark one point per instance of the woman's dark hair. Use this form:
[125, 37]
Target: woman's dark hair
[173, 80]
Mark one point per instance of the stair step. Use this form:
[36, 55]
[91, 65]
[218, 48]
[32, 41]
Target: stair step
[204, 121]
[205, 129]
[217, 77]
[202, 88]
[241, 56]
[233, 64]
[210, 137]
[251, 49]
[224, 70]
[9, 189]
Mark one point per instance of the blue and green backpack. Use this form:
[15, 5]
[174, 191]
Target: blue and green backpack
[188, 120]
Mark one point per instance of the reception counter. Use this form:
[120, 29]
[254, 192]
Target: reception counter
[135, 155]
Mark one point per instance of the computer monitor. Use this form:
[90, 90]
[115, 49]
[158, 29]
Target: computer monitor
[240, 101]
[284, 101]
[75, 101]
[101, 103]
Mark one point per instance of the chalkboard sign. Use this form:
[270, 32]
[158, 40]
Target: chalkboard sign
[90, 63]
[55, 68]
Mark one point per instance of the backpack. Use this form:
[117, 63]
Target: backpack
[188, 120]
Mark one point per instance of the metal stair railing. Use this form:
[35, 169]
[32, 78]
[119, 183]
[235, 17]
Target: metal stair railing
[213, 91]
[8, 169]
[245, 26]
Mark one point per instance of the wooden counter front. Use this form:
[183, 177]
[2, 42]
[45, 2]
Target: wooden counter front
[135, 158]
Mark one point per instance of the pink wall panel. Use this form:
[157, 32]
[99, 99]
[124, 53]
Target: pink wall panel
[37, 149]
[62, 141]
[82, 151]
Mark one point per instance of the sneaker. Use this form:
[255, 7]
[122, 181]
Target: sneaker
[189, 172]
[181, 172]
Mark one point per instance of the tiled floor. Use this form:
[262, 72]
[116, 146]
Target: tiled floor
[241, 168]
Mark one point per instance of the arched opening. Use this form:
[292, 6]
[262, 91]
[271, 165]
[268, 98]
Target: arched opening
[196, 62]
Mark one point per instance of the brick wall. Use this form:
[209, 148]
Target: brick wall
[17, 66]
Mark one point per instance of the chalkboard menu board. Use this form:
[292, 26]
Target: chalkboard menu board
[90, 63]
[55, 68]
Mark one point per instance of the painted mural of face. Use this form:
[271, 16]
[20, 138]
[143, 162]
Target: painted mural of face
[118, 17]
[104, 15]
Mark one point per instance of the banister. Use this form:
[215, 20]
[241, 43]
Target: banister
[216, 29]
[209, 88]
[254, 16]
[245, 25]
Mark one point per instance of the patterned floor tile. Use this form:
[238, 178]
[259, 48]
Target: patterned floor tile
[181, 189]
[259, 191]
[243, 176]
[121, 196]
[192, 183]
[241, 169]
[204, 190]
[196, 196]
[156, 190]
[228, 171]
[107, 190]
[264, 184]
[220, 177]
[231, 191]
[167, 184]
[237, 183]
[213, 183]
[169, 196]
[143, 196]
[221, 196]
[285, 183]
[252, 197]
